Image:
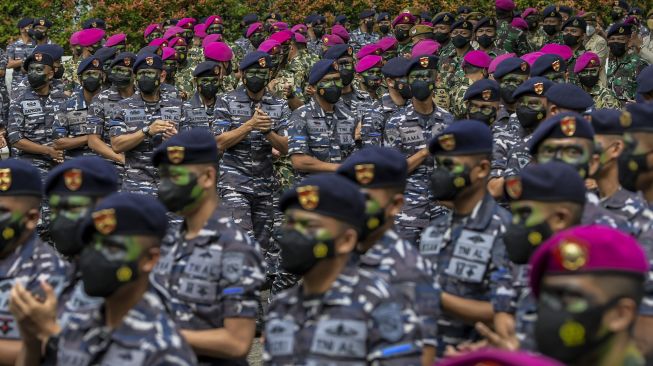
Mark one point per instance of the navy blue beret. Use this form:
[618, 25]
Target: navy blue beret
[89, 63]
[566, 9]
[94, 23]
[463, 9]
[206, 68]
[147, 49]
[126, 214]
[327, 194]
[425, 15]
[19, 178]
[52, 49]
[637, 117]
[645, 80]
[376, 167]
[86, 176]
[551, 11]
[547, 63]
[340, 19]
[25, 22]
[562, 125]
[423, 62]
[258, 59]
[607, 121]
[485, 22]
[42, 21]
[106, 54]
[396, 67]
[443, 18]
[382, 16]
[624, 4]
[549, 182]
[195, 146]
[366, 14]
[636, 11]
[339, 50]
[38, 58]
[310, 18]
[464, 137]
[125, 59]
[512, 65]
[576, 22]
[250, 18]
[569, 96]
[275, 16]
[320, 69]
[486, 90]
[148, 61]
[535, 86]
[620, 29]
[462, 24]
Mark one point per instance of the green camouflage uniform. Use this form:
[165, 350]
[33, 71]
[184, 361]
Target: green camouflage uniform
[404, 49]
[445, 73]
[604, 97]
[511, 39]
[536, 39]
[556, 38]
[458, 106]
[622, 74]
[184, 82]
[69, 78]
[494, 51]
[573, 79]
[195, 56]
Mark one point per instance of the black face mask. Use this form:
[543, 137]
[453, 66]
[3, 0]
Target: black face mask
[255, 84]
[101, 276]
[319, 32]
[630, 167]
[506, 93]
[589, 81]
[460, 41]
[39, 35]
[570, 40]
[331, 94]
[62, 231]
[404, 91]
[521, 241]
[401, 34]
[209, 91]
[347, 76]
[148, 85]
[91, 84]
[554, 323]
[529, 118]
[550, 29]
[618, 49]
[488, 119]
[374, 218]
[300, 252]
[37, 81]
[441, 37]
[421, 90]
[178, 198]
[370, 26]
[120, 81]
[257, 39]
[58, 73]
[446, 185]
[11, 229]
[170, 72]
[485, 41]
[372, 81]
[384, 29]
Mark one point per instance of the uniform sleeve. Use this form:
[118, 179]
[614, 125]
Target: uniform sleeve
[222, 117]
[60, 125]
[372, 127]
[174, 350]
[16, 122]
[504, 294]
[281, 126]
[392, 134]
[11, 52]
[95, 117]
[298, 133]
[3, 60]
[428, 302]
[242, 268]
[117, 126]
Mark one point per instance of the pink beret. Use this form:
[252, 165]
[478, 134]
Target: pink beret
[200, 30]
[115, 40]
[581, 13]
[269, 46]
[429, 24]
[341, 32]
[299, 28]
[368, 62]
[169, 53]
[299, 38]
[587, 249]
[186, 23]
[528, 11]
[211, 38]
[477, 58]
[74, 38]
[558, 49]
[282, 37]
[531, 57]
[159, 42]
[404, 18]
[177, 41]
[587, 59]
[425, 47]
[331, 40]
[497, 60]
[218, 51]
[213, 19]
[89, 37]
[499, 358]
[279, 26]
[387, 43]
[519, 23]
[253, 28]
[173, 32]
[369, 49]
[151, 28]
[506, 5]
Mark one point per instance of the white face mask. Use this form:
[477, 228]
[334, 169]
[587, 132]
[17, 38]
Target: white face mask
[590, 30]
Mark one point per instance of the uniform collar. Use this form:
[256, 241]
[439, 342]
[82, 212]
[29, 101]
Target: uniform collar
[481, 215]
[23, 252]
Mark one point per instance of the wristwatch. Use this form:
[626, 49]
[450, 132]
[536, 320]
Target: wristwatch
[146, 131]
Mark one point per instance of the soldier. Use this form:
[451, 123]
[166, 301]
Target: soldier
[90, 41]
[635, 171]
[450, 71]
[71, 127]
[56, 52]
[369, 69]
[364, 34]
[587, 70]
[535, 35]
[388, 47]
[623, 67]
[551, 22]
[40, 28]
[31, 115]
[475, 68]
[198, 110]
[485, 34]
[117, 41]
[573, 34]
[141, 122]
[550, 66]
[212, 271]
[589, 279]
[595, 41]
[248, 123]
[242, 45]
[401, 28]
[316, 30]
[384, 25]
[301, 61]
[509, 38]
[409, 130]
[499, 357]
[339, 313]
[381, 173]
[270, 19]
[152, 31]
[221, 53]
[465, 246]
[254, 36]
[18, 51]
[184, 75]
[510, 73]
[288, 79]
[25, 261]
[441, 31]
[122, 238]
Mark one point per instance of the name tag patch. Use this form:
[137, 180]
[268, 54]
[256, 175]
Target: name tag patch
[204, 263]
[340, 338]
[470, 256]
[279, 336]
[412, 135]
[32, 107]
[240, 109]
[171, 114]
[135, 116]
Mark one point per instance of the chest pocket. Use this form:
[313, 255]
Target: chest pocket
[77, 122]
[280, 337]
[430, 242]
[72, 357]
[340, 338]
[199, 118]
[33, 112]
[109, 108]
[171, 114]
[135, 119]
[240, 109]
[274, 111]
[8, 327]
[412, 136]
[346, 132]
[318, 133]
[199, 280]
[471, 255]
[118, 355]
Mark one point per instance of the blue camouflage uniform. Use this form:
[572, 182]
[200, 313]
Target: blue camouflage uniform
[18, 50]
[196, 114]
[72, 121]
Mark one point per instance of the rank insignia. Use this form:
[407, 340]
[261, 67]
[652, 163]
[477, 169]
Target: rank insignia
[149, 61]
[72, 179]
[406, 19]
[575, 23]
[105, 221]
[446, 18]
[364, 173]
[568, 126]
[555, 65]
[625, 119]
[447, 142]
[514, 187]
[5, 179]
[572, 255]
[308, 196]
[176, 154]
[486, 94]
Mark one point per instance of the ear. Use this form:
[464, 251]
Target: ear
[561, 219]
[209, 178]
[621, 316]
[397, 202]
[551, 109]
[594, 164]
[162, 77]
[484, 169]
[32, 218]
[347, 242]
[150, 260]
[617, 149]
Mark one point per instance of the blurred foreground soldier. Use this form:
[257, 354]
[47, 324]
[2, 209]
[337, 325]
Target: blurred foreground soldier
[465, 246]
[381, 174]
[339, 313]
[122, 237]
[499, 358]
[212, 271]
[26, 263]
[589, 283]
[636, 161]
